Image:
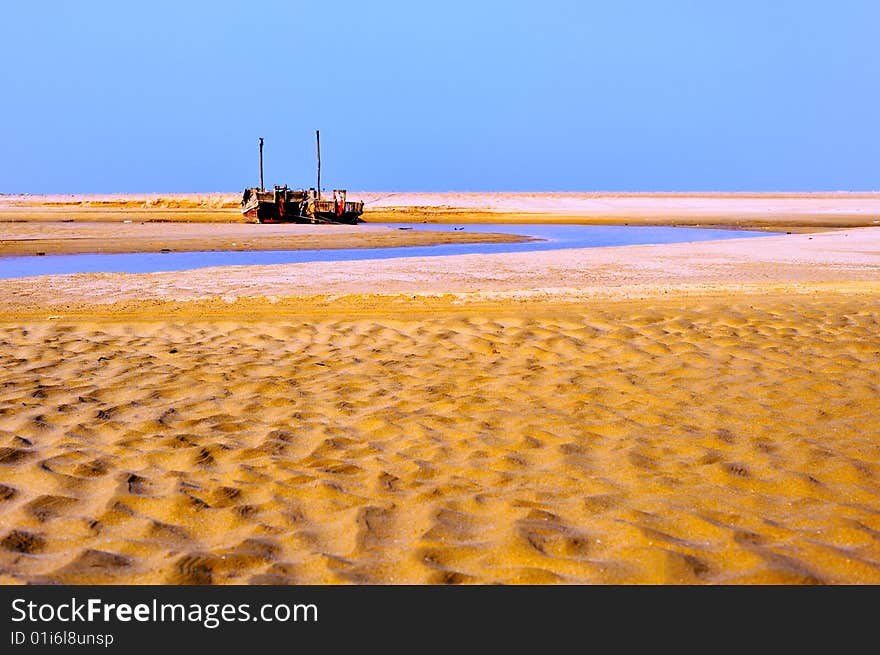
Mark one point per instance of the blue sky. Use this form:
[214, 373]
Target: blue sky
[551, 95]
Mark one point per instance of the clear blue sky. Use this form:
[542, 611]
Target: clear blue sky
[544, 95]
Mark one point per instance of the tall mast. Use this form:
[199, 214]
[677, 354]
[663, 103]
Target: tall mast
[318, 139]
[261, 165]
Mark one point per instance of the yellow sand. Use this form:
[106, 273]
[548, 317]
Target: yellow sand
[732, 441]
[692, 413]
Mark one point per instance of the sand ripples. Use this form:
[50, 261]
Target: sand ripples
[609, 444]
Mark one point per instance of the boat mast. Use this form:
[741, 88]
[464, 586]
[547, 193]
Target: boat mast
[318, 139]
[261, 165]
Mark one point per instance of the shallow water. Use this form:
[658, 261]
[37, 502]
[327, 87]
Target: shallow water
[553, 237]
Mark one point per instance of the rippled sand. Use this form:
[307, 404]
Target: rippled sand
[730, 440]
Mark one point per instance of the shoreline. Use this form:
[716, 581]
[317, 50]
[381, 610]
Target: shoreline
[43, 238]
[843, 256]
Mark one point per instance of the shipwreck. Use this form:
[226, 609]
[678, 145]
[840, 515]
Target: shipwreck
[284, 205]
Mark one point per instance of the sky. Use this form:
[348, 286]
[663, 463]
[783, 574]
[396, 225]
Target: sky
[549, 95]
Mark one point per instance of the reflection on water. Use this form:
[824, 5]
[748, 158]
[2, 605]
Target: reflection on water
[553, 237]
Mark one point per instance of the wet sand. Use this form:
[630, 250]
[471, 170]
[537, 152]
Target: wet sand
[687, 413]
[53, 238]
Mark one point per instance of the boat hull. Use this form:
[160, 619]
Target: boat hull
[334, 211]
[278, 206]
[285, 206]
[269, 213]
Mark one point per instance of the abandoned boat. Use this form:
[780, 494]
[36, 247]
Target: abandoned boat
[283, 205]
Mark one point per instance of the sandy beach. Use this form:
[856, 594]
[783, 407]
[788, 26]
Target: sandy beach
[686, 413]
